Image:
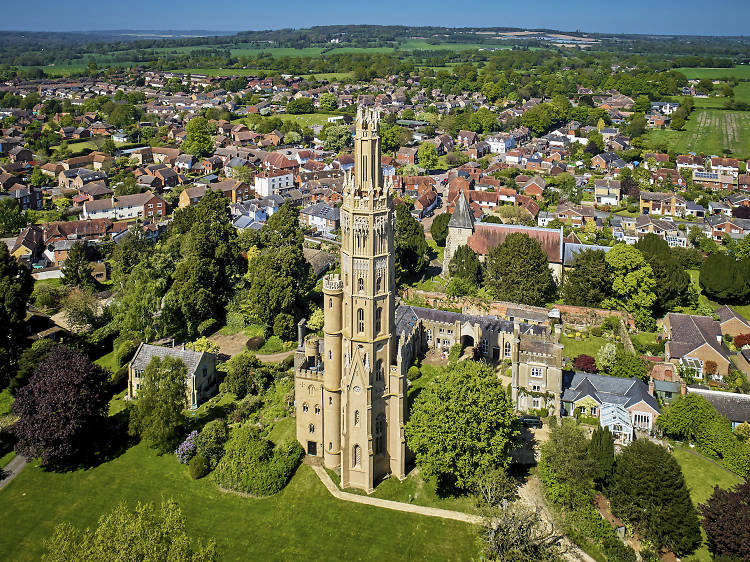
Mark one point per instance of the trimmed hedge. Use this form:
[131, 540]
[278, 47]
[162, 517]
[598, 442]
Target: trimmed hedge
[253, 466]
[198, 467]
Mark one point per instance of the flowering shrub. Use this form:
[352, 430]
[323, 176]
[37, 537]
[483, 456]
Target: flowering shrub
[186, 450]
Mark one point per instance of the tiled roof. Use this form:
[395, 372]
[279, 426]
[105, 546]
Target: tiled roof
[146, 352]
[489, 235]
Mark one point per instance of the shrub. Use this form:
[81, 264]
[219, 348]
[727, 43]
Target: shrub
[616, 551]
[211, 440]
[283, 326]
[255, 343]
[597, 331]
[251, 464]
[414, 373]
[236, 321]
[125, 351]
[455, 352]
[198, 467]
[741, 340]
[248, 406]
[585, 363]
[186, 449]
[611, 323]
[119, 379]
[208, 327]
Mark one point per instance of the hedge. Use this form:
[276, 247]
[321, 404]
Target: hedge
[208, 327]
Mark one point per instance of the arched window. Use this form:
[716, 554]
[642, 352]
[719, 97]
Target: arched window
[330, 445]
[311, 390]
[312, 428]
[356, 418]
[379, 370]
[305, 408]
[360, 320]
[378, 283]
[506, 349]
[317, 409]
[360, 284]
[379, 442]
[330, 401]
[356, 455]
[429, 335]
[378, 320]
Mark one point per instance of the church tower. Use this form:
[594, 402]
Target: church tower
[363, 389]
[460, 229]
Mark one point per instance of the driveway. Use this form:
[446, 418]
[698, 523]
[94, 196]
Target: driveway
[11, 470]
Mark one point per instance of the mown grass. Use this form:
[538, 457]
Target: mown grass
[740, 72]
[588, 345]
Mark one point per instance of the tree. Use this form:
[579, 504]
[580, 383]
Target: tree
[427, 156]
[465, 264]
[203, 344]
[337, 137]
[283, 326]
[648, 491]
[566, 467]
[298, 106]
[602, 453]
[199, 138]
[439, 228]
[328, 102]
[80, 308]
[672, 281]
[410, 246]
[462, 425]
[144, 534]
[62, 409]
[37, 178]
[628, 365]
[16, 285]
[210, 441]
[590, 281]
[632, 284]
[245, 375]
[460, 287]
[585, 363]
[123, 115]
[76, 270]
[156, 415]
[726, 520]
[518, 271]
[519, 533]
[724, 279]
[12, 219]
[686, 417]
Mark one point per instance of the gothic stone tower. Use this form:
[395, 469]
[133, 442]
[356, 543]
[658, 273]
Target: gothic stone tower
[460, 229]
[363, 389]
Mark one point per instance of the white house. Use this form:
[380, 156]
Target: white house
[273, 183]
[500, 144]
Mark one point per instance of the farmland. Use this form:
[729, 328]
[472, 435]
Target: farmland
[739, 72]
[708, 131]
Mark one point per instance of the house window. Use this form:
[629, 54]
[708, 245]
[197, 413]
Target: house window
[429, 335]
[330, 354]
[536, 388]
[378, 320]
[536, 372]
[485, 346]
[594, 411]
[317, 409]
[360, 320]
[506, 349]
[536, 403]
[642, 420]
[305, 407]
[311, 427]
[330, 401]
[356, 456]
[330, 446]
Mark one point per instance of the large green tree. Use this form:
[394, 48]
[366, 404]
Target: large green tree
[462, 425]
[199, 138]
[518, 271]
[337, 137]
[465, 264]
[648, 491]
[632, 284]
[427, 156]
[76, 270]
[672, 281]
[157, 412]
[590, 280]
[566, 467]
[12, 219]
[145, 534]
[602, 453]
[724, 279]
[410, 245]
[16, 285]
[439, 228]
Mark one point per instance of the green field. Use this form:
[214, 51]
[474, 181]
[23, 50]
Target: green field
[708, 131]
[302, 521]
[589, 345]
[742, 92]
[740, 72]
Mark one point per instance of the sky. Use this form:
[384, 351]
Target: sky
[685, 17]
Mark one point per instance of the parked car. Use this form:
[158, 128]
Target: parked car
[531, 421]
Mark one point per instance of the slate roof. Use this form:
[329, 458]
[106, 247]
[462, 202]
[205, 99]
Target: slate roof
[146, 352]
[606, 390]
[323, 210]
[736, 407]
[726, 313]
[572, 250]
[689, 332]
[462, 216]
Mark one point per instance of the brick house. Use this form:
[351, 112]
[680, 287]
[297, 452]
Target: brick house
[694, 341]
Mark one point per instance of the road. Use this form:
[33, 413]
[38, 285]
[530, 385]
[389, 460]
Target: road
[12, 469]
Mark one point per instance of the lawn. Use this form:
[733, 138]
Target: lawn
[742, 92]
[303, 521]
[6, 401]
[701, 475]
[708, 131]
[740, 72]
[588, 345]
[108, 362]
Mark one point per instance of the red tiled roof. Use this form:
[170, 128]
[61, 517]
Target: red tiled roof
[487, 236]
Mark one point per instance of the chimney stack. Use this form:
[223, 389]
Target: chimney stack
[301, 332]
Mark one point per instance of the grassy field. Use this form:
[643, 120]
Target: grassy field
[742, 92]
[708, 131]
[302, 521]
[741, 72]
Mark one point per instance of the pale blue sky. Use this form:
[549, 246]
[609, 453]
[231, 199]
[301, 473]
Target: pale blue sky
[715, 17]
